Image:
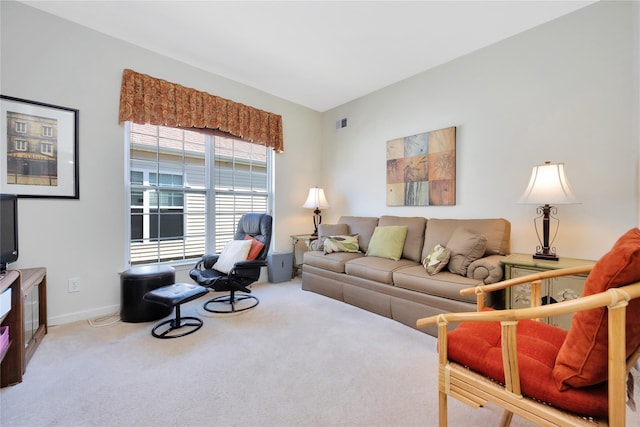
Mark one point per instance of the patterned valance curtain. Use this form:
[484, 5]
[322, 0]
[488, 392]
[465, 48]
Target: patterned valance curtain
[148, 100]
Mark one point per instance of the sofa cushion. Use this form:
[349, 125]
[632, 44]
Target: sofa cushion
[341, 244]
[436, 260]
[375, 268]
[466, 247]
[444, 284]
[415, 234]
[498, 232]
[478, 345]
[363, 226]
[583, 358]
[387, 242]
[332, 262]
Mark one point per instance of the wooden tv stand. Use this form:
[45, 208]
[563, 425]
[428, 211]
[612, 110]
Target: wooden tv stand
[27, 320]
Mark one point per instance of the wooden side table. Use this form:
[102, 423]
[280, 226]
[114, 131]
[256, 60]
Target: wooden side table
[557, 289]
[295, 238]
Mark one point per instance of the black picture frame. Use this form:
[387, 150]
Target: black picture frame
[38, 149]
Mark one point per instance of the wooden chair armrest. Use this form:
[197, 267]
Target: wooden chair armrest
[607, 298]
[527, 279]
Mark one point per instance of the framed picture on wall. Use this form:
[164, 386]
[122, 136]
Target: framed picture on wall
[421, 169]
[38, 149]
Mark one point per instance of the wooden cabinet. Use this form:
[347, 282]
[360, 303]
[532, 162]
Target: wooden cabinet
[34, 300]
[27, 320]
[553, 290]
[12, 361]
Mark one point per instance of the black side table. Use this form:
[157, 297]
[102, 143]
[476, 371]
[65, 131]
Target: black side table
[136, 282]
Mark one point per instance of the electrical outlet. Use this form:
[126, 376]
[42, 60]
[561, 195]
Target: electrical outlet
[74, 285]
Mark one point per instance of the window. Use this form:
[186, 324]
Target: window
[47, 131]
[188, 190]
[21, 127]
[46, 148]
[20, 144]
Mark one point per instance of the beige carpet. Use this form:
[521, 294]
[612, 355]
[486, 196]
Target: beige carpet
[298, 359]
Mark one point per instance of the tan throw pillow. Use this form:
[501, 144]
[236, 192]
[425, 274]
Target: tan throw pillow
[325, 230]
[341, 244]
[437, 259]
[234, 251]
[465, 247]
[388, 242]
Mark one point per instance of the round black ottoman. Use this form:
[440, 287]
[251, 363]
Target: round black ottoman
[136, 282]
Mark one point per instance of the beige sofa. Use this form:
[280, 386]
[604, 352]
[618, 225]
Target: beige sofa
[402, 289]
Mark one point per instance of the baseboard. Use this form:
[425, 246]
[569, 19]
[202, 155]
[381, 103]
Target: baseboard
[83, 315]
[182, 275]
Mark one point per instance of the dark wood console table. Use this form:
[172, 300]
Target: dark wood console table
[27, 320]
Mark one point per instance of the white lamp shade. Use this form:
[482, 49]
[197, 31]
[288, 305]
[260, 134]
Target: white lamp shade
[316, 199]
[548, 186]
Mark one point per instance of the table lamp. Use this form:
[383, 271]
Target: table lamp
[548, 186]
[316, 200]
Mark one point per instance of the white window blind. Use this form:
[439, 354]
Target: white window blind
[241, 184]
[175, 188]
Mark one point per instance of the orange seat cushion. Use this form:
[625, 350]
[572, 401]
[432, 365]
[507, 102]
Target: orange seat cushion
[477, 345]
[582, 360]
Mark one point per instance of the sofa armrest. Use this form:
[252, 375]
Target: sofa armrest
[488, 269]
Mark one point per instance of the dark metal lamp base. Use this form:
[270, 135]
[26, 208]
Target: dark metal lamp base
[548, 257]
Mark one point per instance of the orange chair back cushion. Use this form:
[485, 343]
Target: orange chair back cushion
[256, 247]
[582, 359]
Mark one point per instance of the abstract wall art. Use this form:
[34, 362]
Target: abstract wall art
[421, 169]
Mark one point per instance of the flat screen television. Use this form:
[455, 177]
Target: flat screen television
[8, 230]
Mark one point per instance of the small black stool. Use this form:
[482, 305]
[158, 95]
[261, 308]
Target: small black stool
[136, 282]
[173, 296]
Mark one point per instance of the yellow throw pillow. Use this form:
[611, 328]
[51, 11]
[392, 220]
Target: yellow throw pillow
[388, 242]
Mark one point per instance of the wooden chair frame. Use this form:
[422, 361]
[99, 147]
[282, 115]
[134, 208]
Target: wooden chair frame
[476, 390]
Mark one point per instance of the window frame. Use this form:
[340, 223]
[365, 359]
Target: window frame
[210, 192]
[21, 144]
[21, 127]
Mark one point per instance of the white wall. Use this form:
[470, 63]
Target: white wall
[563, 92]
[50, 60]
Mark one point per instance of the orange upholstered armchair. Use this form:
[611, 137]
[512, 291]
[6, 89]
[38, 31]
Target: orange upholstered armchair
[540, 372]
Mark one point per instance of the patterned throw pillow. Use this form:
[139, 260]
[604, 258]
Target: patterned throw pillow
[327, 230]
[437, 259]
[341, 244]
